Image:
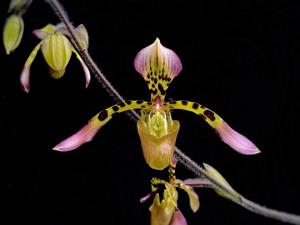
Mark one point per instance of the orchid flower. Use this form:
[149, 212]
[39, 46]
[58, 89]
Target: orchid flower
[57, 51]
[166, 211]
[157, 130]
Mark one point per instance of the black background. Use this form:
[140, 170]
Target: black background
[240, 58]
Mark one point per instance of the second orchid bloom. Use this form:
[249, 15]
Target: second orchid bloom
[165, 211]
[57, 50]
[157, 130]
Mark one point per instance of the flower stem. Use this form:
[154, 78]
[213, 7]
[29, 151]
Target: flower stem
[184, 159]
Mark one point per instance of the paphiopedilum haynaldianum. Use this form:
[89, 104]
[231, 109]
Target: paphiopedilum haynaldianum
[159, 66]
[57, 51]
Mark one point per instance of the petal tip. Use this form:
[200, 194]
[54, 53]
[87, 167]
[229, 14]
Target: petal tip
[57, 148]
[235, 140]
[84, 135]
[24, 79]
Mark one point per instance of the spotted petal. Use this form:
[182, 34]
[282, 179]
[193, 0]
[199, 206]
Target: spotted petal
[234, 139]
[87, 133]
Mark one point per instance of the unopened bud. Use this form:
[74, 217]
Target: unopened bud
[12, 33]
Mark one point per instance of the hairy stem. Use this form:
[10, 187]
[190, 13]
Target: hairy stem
[184, 159]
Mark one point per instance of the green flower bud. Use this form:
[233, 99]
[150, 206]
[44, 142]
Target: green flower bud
[12, 33]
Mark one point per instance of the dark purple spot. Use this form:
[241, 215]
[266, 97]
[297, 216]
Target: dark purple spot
[122, 104]
[195, 105]
[184, 102]
[139, 102]
[115, 108]
[154, 92]
[161, 89]
[103, 115]
[210, 115]
[128, 102]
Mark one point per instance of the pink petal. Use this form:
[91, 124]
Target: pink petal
[178, 219]
[235, 140]
[162, 55]
[84, 135]
[24, 78]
